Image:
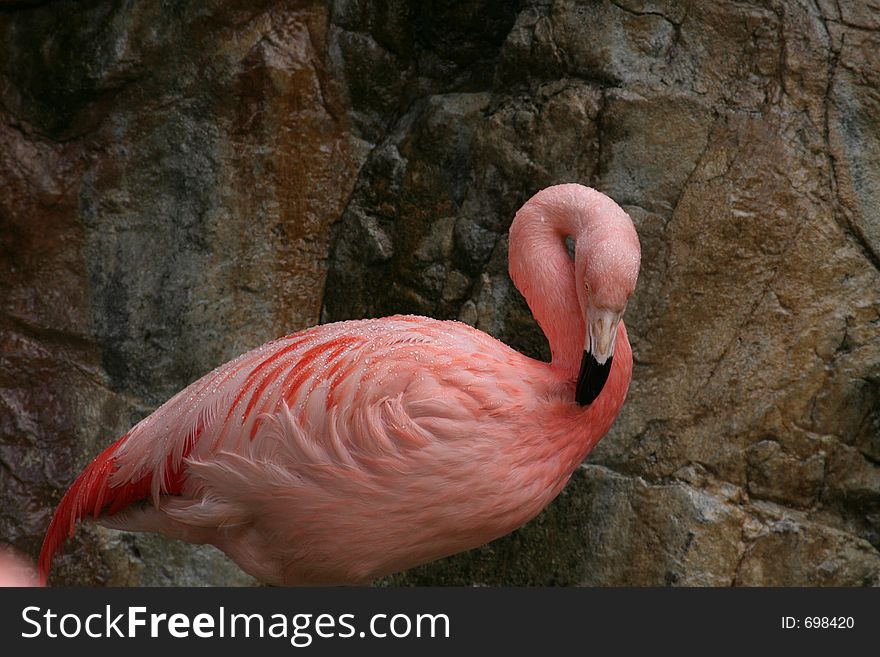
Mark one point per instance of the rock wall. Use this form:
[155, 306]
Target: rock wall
[181, 182]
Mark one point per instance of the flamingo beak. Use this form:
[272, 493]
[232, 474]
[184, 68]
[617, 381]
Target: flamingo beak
[598, 354]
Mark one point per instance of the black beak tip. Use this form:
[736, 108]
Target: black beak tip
[591, 379]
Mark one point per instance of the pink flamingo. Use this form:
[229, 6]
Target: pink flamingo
[352, 450]
[15, 570]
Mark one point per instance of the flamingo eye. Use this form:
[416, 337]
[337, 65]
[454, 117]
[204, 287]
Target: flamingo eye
[587, 286]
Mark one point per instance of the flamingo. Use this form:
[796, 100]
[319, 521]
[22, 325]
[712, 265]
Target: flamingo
[15, 570]
[351, 450]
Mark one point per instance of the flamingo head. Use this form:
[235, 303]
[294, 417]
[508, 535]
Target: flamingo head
[606, 270]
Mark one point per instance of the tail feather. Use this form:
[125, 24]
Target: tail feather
[87, 494]
[92, 494]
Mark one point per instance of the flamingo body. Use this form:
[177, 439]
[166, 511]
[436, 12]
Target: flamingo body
[352, 450]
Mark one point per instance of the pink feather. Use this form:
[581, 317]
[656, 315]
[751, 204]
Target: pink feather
[352, 450]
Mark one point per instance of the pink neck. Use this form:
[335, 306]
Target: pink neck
[542, 270]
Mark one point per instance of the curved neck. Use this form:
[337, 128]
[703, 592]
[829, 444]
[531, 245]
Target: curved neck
[542, 270]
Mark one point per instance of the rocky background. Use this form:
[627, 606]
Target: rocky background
[181, 181]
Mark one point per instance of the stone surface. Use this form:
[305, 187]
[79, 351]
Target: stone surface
[178, 185]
